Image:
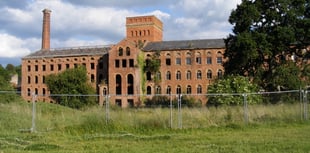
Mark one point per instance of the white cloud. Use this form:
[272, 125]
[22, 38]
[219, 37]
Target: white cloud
[12, 46]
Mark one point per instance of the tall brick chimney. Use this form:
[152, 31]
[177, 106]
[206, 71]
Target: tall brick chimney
[46, 29]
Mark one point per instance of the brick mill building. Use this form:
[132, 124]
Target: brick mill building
[186, 66]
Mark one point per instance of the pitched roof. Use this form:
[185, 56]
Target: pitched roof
[67, 52]
[184, 44]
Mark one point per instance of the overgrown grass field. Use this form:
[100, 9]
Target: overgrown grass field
[270, 128]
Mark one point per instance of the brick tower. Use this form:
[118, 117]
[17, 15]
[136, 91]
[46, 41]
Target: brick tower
[144, 28]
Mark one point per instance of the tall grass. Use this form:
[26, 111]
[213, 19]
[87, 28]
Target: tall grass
[62, 129]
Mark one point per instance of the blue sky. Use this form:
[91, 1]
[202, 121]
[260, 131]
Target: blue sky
[102, 22]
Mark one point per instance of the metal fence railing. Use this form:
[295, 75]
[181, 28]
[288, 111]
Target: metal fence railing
[187, 110]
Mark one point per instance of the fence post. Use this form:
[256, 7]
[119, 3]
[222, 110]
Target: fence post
[180, 110]
[246, 117]
[171, 111]
[107, 113]
[33, 125]
[305, 105]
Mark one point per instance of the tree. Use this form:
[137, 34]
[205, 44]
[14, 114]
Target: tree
[232, 85]
[72, 82]
[267, 37]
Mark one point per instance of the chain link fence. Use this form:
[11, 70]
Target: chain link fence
[187, 110]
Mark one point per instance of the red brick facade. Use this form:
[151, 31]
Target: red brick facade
[187, 67]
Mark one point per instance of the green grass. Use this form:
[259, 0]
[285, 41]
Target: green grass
[271, 128]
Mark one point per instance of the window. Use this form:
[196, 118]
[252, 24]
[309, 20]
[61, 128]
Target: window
[219, 58]
[92, 78]
[189, 89]
[59, 67]
[43, 91]
[67, 66]
[124, 63]
[158, 76]
[43, 68]
[92, 66]
[52, 67]
[168, 90]
[158, 90]
[179, 91]
[29, 79]
[219, 73]
[43, 79]
[188, 59]
[178, 76]
[148, 76]
[168, 75]
[75, 65]
[199, 75]
[149, 90]
[178, 61]
[36, 79]
[209, 74]
[209, 58]
[118, 82]
[36, 68]
[130, 87]
[199, 89]
[168, 60]
[28, 92]
[188, 75]
[127, 51]
[120, 51]
[116, 63]
[29, 68]
[36, 91]
[198, 58]
[131, 63]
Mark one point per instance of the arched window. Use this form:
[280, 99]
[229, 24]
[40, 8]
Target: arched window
[28, 92]
[209, 74]
[168, 59]
[168, 75]
[158, 89]
[219, 58]
[120, 51]
[130, 87]
[118, 84]
[158, 76]
[43, 91]
[178, 76]
[188, 58]
[179, 91]
[36, 79]
[199, 89]
[105, 91]
[148, 76]
[168, 90]
[188, 89]
[127, 51]
[219, 74]
[199, 75]
[36, 91]
[92, 78]
[149, 90]
[209, 58]
[188, 75]
[43, 79]
[29, 79]
[198, 58]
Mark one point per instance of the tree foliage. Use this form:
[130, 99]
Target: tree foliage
[266, 35]
[231, 89]
[74, 84]
[5, 85]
